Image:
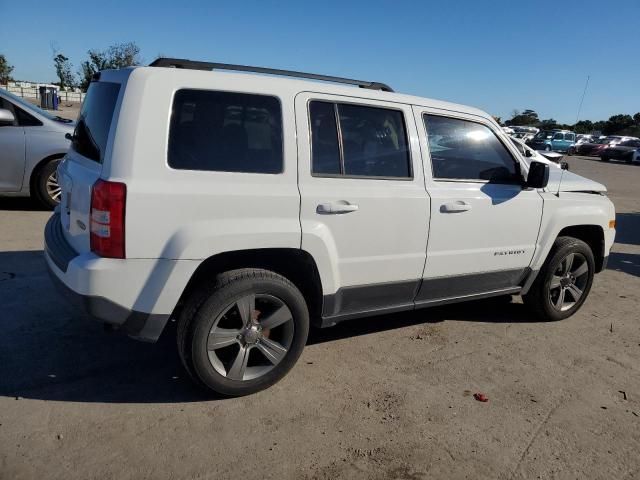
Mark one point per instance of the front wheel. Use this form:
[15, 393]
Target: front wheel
[564, 282]
[571, 151]
[244, 333]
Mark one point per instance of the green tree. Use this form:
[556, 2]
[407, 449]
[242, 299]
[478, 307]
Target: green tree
[116, 56]
[5, 70]
[548, 124]
[636, 118]
[583, 126]
[617, 124]
[527, 117]
[63, 71]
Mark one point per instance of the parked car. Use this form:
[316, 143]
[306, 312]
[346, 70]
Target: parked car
[553, 140]
[616, 139]
[584, 138]
[622, 151]
[247, 207]
[32, 143]
[592, 148]
[530, 155]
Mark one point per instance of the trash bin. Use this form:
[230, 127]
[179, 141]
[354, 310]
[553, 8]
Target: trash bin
[43, 97]
[55, 99]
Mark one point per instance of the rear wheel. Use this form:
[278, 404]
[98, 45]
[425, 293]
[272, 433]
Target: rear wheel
[604, 159]
[564, 282]
[571, 151]
[244, 333]
[47, 190]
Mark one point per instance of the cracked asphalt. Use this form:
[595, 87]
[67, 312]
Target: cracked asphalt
[386, 397]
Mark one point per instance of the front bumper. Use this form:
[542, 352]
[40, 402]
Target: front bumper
[75, 276]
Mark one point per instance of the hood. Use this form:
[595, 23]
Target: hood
[572, 182]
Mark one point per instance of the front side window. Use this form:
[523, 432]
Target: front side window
[464, 150]
[225, 132]
[358, 141]
[558, 136]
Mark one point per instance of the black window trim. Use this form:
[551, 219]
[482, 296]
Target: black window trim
[282, 134]
[335, 104]
[479, 121]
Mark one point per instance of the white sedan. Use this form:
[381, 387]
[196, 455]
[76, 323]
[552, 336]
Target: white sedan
[529, 154]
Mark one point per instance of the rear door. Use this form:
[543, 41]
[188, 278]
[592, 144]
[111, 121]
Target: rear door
[484, 225]
[364, 209]
[12, 158]
[83, 163]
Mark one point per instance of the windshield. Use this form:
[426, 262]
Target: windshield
[94, 123]
[33, 108]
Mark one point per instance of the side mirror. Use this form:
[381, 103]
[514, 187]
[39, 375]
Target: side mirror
[68, 136]
[528, 153]
[6, 117]
[538, 175]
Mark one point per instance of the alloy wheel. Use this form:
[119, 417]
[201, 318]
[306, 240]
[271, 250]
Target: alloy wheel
[53, 187]
[250, 337]
[569, 281]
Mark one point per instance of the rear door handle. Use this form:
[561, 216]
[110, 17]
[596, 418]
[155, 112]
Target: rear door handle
[336, 208]
[455, 207]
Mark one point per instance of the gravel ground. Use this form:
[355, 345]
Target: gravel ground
[386, 397]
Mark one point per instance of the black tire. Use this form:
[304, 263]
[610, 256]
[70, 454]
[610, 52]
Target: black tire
[41, 191]
[207, 305]
[604, 159]
[539, 299]
[571, 151]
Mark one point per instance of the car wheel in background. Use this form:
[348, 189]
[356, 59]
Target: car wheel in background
[547, 148]
[571, 151]
[46, 188]
[604, 159]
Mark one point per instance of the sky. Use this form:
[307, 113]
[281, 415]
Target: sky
[495, 55]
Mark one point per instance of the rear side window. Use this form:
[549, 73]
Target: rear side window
[463, 150]
[225, 132]
[358, 141]
[94, 122]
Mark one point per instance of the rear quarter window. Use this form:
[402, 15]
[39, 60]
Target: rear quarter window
[94, 122]
[225, 132]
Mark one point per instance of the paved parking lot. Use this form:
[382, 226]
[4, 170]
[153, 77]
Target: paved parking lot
[385, 397]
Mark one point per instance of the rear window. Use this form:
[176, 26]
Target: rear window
[94, 122]
[225, 132]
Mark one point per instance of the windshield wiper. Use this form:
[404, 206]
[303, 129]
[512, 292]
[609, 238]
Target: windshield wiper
[63, 120]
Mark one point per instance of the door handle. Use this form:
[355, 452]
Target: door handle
[455, 207]
[334, 208]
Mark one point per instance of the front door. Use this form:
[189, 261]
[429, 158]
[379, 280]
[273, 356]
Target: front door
[12, 153]
[484, 224]
[364, 209]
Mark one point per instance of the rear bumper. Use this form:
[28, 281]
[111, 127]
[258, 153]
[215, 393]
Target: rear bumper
[86, 280]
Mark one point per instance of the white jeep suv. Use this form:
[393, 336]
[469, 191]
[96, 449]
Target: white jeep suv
[249, 206]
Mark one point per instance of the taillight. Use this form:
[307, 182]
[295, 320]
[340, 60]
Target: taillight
[108, 201]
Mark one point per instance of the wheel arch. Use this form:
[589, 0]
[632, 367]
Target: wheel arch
[592, 235]
[296, 265]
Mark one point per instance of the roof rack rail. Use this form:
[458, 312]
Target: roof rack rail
[196, 65]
